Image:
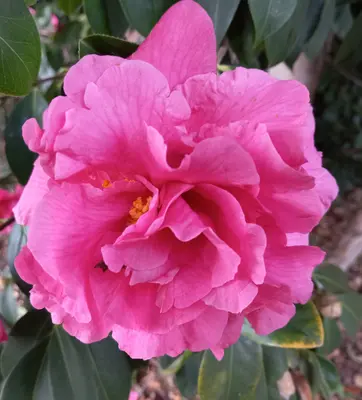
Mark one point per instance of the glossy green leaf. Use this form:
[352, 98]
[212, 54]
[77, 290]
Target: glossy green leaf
[332, 337]
[331, 278]
[324, 377]
[304, 330]
[103, 44]
[63, 367]
[144, 14]
[343, 21]
[30, 2]
[21, 381]
[236, 376]
[187, 377]
[241, 35]
[8, 305]
[221, 13]
[29, 331]
[270, 15]
[349, 53]
[17, 240]
[320, 35]
[19, 48]
[69, 6]
[351, 312]
[20, 158]
[291, 36]
[106, 16]
[275, 364]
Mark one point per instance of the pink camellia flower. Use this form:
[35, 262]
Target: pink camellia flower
[8, 200]
[169, 203]
[3, 334]
[133, 395]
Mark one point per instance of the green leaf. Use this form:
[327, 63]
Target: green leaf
[343, 21]
[30, 2]
[320, 35]
[20, 158]
[236, 376]
[221, 13]
[103, 44]
[349, 53]
[106, 16]
[351, 312]
[304, 330]
[331, 278]
[8, 305]
[275, 364]
[270, 15]
[29, 331]
[186, 378]
[332, 337]
[19, 48]
[324, 377]
[241, 35]
[144, 14]
[21, 381]
[291, 35]
[62, 367]
[69, 6]
[17, 240]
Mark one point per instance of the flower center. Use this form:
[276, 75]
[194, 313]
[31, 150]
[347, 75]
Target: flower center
[107, 183]
[140, 207]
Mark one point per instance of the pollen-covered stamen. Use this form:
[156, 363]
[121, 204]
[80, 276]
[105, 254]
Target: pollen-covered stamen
[106, 183]
[139, 207]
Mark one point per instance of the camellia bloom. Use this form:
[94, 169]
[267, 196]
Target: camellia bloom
[3, 334]
[169, 203]
[8, 200]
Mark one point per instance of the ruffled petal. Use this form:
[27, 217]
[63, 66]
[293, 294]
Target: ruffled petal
[182, 44]
[271, 310]
[34, 191]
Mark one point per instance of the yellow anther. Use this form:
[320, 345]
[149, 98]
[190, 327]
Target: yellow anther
[106, 183]
[139, 208]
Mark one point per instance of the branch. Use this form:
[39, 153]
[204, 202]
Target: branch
[7, 223]
[51, 78]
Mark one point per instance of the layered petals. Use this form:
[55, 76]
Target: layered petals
[182, 44]
[169, 203]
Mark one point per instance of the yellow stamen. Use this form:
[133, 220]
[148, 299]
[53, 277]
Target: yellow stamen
[129, 180]
[139, 208]
[106, 183]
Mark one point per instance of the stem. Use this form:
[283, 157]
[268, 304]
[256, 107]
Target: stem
[51, 78]
[175, 367]
[7, 223]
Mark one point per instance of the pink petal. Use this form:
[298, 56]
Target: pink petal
[293, 267]
[182, 44]
[49, 293]
[97, 216]
[234, 296]
[203, 263]
[146, 345]
[34, 191]
[184, 223]
[88, 69]
[271, 310]
[206, 331]
[252, 95]
[134, 307]
[97, 135]
[230, 335]
[217, 161]
[140, 254]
